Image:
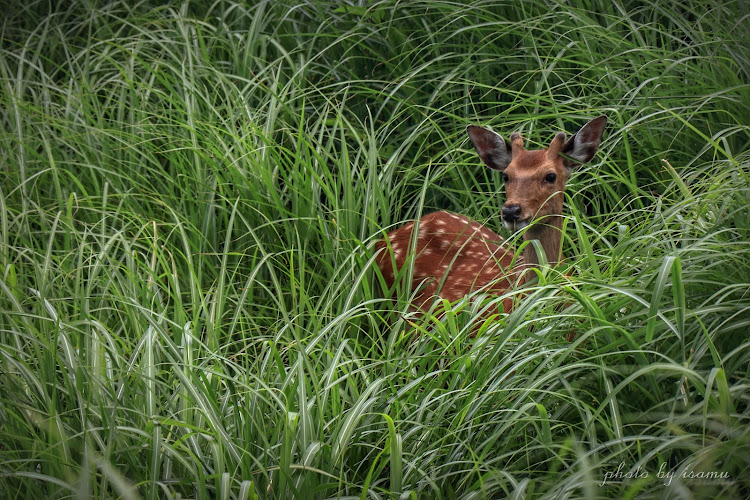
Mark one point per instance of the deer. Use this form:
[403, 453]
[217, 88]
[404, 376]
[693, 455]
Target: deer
[452, 256]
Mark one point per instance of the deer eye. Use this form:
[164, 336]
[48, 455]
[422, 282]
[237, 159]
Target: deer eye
[505, 177]
[551, 178]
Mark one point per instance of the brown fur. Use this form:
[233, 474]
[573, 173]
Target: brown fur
[449, 265]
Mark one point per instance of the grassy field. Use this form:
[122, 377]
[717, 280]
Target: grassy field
[190, 196]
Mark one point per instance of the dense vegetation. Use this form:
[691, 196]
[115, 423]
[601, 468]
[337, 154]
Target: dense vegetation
[190, 195]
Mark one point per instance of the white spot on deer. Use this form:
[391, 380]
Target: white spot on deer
[467, 268]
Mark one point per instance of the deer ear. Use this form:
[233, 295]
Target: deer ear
[583, 145]
[494, 151]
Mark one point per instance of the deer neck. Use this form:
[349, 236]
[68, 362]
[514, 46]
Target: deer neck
[549, 233]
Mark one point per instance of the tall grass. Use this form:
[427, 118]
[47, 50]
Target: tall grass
[190, 194]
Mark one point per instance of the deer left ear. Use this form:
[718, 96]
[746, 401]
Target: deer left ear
[494, 151]
[582, 147]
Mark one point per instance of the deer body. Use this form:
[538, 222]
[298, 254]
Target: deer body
[453, 256]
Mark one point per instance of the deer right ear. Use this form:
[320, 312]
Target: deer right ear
[583, 145]
[494, 151]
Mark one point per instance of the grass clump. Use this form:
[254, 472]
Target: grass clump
[188, 302]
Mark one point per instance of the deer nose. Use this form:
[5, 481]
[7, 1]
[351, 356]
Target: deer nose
[511, 213]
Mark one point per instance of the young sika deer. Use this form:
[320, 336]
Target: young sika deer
[453, 255]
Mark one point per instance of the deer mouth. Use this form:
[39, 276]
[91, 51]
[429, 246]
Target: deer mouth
[516, 225]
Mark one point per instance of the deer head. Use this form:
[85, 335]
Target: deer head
[535, 180]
